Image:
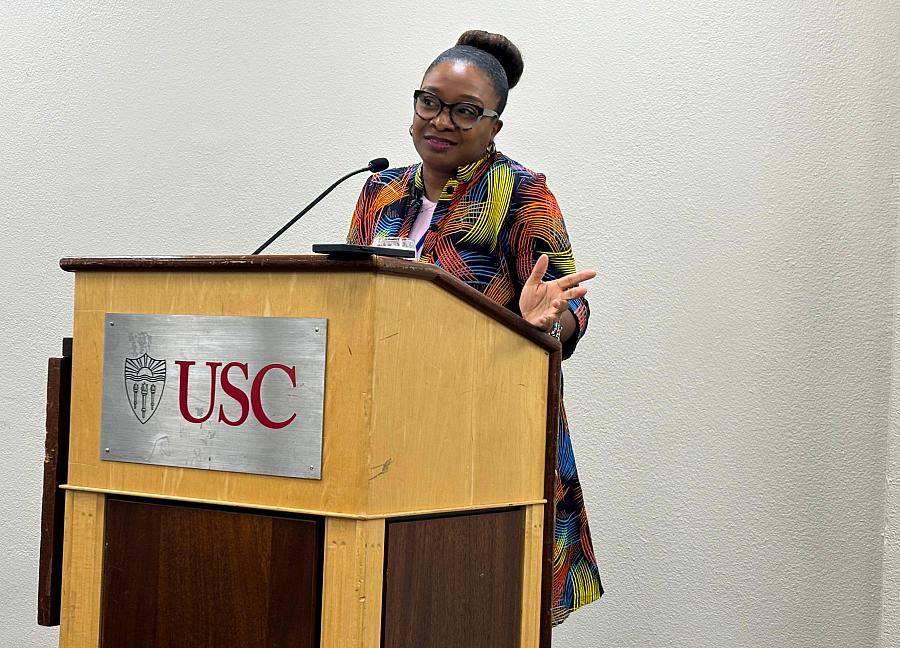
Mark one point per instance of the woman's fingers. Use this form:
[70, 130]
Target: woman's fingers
[572, 280]
[575, 293]
[540, 267]
[564, 283]
[547, 301]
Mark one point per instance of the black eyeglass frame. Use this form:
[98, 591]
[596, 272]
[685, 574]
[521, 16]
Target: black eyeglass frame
[482, 112]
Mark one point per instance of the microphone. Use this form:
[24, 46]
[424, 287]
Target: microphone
[374, 166]
[378, 165]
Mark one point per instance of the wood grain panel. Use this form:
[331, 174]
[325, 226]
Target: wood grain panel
[344, 299]
[82, 571]
[459, 404]
[454, 582]
[532, 570]
[209, 577]
[479, 394]
[352, 583]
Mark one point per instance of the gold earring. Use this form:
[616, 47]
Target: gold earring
[491, 149]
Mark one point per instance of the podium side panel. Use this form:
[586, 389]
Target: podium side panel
[345, 299]
[459, 407]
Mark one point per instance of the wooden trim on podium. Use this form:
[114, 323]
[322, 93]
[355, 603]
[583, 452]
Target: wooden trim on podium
[56, 468]
[82, 570]
[302, 511]
[317, 263]
[532, 569]
[352, 583]
[554, 387]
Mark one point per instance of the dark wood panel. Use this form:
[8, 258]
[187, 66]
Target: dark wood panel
[56, 460]
[131, 572]
[454, 582]
[198, 577]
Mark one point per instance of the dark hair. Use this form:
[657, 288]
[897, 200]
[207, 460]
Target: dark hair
[493, 54]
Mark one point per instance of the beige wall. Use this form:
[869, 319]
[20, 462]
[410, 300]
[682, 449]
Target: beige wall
[890, 594]
[727, 167]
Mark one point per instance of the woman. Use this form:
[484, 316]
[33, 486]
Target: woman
[493, 224]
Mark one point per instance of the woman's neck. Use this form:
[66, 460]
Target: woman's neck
[435, 181]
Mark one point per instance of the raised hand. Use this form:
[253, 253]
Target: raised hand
[542, 303]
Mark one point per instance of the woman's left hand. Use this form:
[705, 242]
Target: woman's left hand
[542, 303]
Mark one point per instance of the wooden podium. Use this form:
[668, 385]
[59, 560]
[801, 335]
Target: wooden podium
[428, 526]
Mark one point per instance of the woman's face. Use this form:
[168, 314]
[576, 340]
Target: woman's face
[443, 146]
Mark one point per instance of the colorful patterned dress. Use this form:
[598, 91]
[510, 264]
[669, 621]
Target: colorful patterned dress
[491, 223]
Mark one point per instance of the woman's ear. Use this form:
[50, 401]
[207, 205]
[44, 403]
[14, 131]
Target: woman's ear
[497, 126]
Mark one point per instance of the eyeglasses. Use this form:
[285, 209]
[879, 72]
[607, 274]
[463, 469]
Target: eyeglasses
[463, 115]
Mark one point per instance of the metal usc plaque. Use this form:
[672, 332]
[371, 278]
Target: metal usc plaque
[241, 394]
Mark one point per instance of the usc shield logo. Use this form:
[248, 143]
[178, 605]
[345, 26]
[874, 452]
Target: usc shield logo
[145, 380]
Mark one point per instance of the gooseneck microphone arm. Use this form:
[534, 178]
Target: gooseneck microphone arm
[376, 165]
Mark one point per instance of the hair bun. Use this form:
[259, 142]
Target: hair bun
[500, 47]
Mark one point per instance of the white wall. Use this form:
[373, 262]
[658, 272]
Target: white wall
[726, 166]
[890, 592]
